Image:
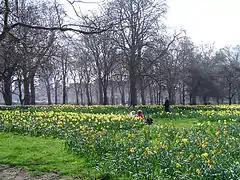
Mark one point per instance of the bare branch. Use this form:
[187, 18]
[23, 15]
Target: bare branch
[63, 29]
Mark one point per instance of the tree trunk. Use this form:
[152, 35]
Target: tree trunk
[123, 95]
[183, 94]
[230, 101]
[112, 96]
[133, 89]
[238, 98]
[49, 96]
[56, 92]
[105, 97]
[20, 91]
[64, 90]
[171, 94]
[100, 90]
[142, 92]
[81, 95]
[150, 95]
[76, 88]
[26, 90]
[7, 94]
[48, 89]
[154, 95]
[77, 97]
[90, 93]
[230, 93]
[143, 97]
[159, 93]
[205, 101]
[193, 99]
[32, 87]
[87, 94]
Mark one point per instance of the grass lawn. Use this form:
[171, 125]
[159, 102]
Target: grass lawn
[180, 123]
[39, 154]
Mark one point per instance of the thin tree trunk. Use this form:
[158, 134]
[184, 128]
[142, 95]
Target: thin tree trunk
[90, 93]
[81, 95]
[32, 87]
[112, 96]
[48, 89]
[26, 90]
[143, 96]
[123, 95]
[230, 93]
[76, 88]
[105, 97]
[154, 96]
[7, 94]
[87, 94]
[133, 89]
[100, 90]
[142, 92]
[150, 95]
[56, 92]
[20, 90]
[77, 97]
[159, 97]
[64, 90]
[49, 96]
[238, 98]
[183, 94]
[193, 99]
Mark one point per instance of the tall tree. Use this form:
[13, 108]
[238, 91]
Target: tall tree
[138, 20]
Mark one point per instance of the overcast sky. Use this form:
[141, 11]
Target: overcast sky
[206, 21]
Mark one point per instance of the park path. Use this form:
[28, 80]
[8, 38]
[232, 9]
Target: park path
[18, 173]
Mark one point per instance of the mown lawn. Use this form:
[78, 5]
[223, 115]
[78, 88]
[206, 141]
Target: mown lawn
[39, 154]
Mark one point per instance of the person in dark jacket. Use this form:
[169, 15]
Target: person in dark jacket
[167, 105]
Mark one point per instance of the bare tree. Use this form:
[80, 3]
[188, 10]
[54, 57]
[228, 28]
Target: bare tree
[103, 51]
[9, 22]
[139, 20]
[9, 61]
[230, 71]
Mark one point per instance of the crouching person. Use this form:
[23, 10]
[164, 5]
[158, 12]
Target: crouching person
[149, 121]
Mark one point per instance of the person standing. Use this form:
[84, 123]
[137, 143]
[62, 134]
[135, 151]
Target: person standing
[167, 105]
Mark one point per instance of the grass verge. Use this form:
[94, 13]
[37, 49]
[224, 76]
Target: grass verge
[39, 154]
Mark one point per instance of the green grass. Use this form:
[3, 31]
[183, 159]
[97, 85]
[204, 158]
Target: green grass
[179, 123]
[39, 154]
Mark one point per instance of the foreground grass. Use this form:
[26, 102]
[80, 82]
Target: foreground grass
[38, 154]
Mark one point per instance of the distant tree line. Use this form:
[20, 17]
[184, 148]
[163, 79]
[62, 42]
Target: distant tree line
[125, 48]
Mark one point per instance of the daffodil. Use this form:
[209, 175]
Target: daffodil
[204, 155]
[178, 165]
[132, 150]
